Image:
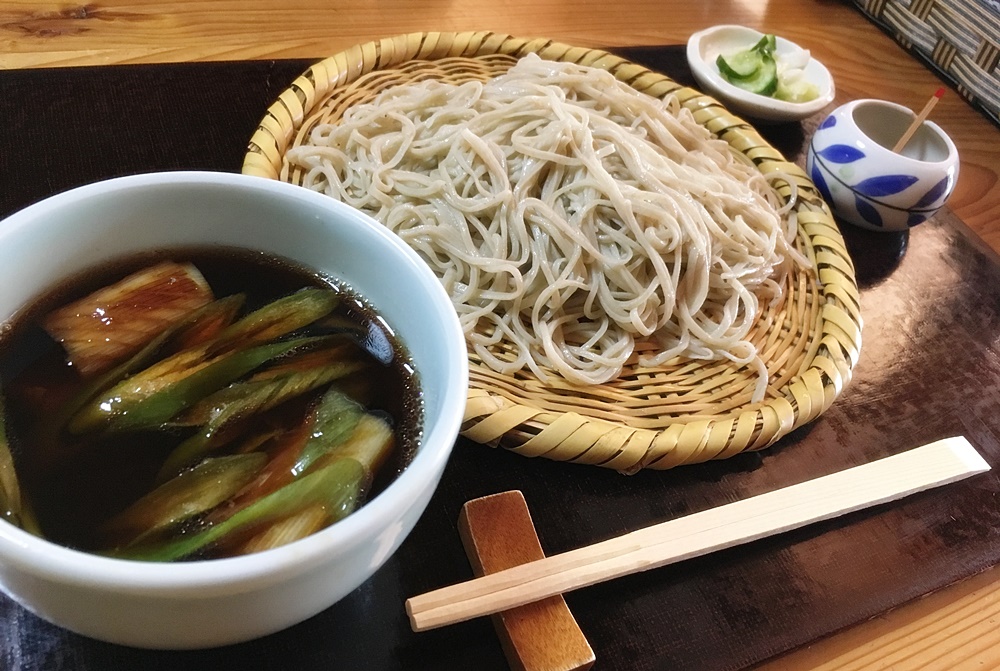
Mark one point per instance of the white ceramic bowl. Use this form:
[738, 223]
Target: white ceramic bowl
[851, 162]
[222, 601]
[704, 47]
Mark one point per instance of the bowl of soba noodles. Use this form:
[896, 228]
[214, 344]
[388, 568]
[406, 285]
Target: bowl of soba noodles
[642, 280]
[224, 403]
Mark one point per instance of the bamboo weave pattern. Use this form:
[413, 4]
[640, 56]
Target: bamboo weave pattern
[678, 413]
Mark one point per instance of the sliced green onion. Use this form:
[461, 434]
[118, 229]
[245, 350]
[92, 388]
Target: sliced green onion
[338, 487]
[258, 394]
[13, 506]
[191, 493]
[153, 396]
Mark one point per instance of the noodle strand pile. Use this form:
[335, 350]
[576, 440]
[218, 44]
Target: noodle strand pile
[568, 215]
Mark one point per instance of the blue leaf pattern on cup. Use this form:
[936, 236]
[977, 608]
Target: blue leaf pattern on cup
[841, 153]
[934, 194]
[828, 122]
[867, 212]
[820, 182]
[916, 218]
[884, 185]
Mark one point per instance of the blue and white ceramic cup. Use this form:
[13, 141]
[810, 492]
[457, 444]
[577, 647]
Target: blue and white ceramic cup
[850, 159]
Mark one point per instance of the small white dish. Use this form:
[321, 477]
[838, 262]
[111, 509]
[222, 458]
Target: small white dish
[704, 47]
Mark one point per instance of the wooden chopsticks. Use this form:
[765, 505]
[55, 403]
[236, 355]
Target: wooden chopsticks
[694, 535]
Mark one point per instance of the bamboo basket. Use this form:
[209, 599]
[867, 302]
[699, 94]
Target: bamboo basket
[682, 412]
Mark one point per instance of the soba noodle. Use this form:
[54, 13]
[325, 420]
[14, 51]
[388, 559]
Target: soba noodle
[568, 215]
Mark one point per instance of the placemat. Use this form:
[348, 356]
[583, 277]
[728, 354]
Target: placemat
[930, 368]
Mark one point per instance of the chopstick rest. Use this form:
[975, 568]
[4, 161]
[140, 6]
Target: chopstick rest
[498, 533]
[792, 507]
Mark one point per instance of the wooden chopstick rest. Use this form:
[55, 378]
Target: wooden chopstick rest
[498, 534]
[700, 533]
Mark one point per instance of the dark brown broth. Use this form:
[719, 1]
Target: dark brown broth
[75, 484]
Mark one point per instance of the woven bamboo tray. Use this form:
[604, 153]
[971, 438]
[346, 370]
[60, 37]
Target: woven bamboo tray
[679, 413]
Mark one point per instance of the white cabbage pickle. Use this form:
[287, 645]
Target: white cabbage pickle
[761, 70]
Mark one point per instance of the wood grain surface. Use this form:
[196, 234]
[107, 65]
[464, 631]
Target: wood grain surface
[864, 61]
[498, 533]
[952, 629]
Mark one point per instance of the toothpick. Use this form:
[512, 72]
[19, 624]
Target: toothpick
[924, 113]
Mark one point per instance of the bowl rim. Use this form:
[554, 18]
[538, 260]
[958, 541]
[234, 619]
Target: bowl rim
[762, 108]
[848, 109]
[43, 558]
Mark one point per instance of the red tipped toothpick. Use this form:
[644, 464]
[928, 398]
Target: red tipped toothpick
[924, 113]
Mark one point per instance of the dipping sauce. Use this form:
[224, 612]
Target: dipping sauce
[249, 402]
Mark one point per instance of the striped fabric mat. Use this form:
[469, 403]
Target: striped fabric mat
[958, 38]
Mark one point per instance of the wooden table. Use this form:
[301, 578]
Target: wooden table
[952, 629]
